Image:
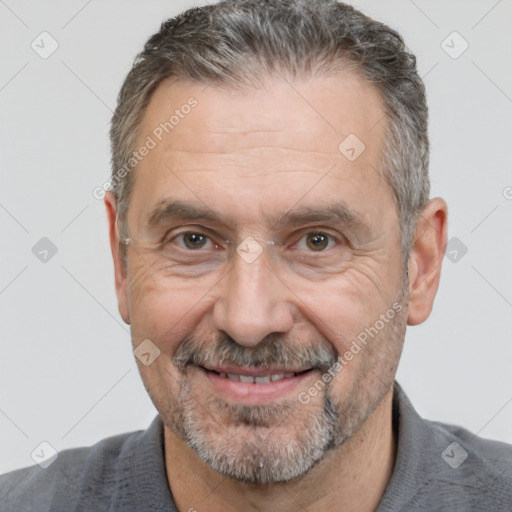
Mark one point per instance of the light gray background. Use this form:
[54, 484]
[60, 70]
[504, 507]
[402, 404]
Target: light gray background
[67, 372]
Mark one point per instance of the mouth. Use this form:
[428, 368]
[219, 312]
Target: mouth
[263, 376]
[254, 386]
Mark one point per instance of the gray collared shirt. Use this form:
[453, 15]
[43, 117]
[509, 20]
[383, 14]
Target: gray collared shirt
[438, 468]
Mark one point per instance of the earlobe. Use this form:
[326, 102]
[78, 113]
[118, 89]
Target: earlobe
[119, 266]
[426, 259]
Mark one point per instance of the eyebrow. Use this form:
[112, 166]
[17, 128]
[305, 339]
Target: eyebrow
[168, 209]
[339, 212]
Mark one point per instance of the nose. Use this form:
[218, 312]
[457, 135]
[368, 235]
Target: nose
[252, 303]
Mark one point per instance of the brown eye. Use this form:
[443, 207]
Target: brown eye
[317, 241]
[194, 240]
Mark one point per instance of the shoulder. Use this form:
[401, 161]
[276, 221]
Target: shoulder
[441, 466]
[76, 474]
[490, 460]
[471, 472]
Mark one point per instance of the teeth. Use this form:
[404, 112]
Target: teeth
[262, 379]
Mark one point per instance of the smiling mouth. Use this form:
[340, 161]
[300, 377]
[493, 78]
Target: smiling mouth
[257, 377]
[251, 385]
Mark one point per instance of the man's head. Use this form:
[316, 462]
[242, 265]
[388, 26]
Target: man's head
[267, 227]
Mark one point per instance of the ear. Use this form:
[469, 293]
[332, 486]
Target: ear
[119, 267]
[426, 259]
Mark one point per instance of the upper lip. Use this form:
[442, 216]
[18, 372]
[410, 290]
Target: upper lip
[253, 372]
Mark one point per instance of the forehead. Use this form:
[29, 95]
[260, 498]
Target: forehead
[319, 112]
[263, 148]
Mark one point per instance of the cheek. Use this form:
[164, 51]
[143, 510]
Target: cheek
[164, 309]
[342, 307]
[337, 317]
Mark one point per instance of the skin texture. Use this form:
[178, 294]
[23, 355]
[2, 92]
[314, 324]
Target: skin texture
[250, 157]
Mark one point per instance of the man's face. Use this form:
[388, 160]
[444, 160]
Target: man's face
[248, 328]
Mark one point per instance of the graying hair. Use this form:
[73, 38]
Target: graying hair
[239, 44]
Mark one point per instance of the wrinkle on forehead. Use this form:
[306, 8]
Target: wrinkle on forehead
[303, 110]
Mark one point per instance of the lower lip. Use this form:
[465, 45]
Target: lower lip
[255, 393]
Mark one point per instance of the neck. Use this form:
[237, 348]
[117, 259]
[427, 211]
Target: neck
[352, 477]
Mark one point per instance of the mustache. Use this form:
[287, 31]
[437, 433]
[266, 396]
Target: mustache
[273, 351]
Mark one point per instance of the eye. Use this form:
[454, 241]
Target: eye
[193, 241]
[316, 241]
